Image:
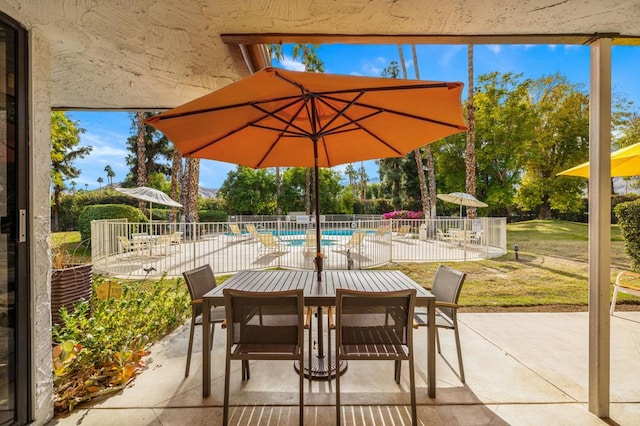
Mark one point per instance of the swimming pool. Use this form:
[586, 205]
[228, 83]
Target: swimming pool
[326, 232]
[299, 242]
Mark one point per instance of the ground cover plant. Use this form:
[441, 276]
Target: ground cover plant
[100, 346]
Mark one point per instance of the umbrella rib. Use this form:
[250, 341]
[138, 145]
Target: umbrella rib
[253, 123]
[404, 114]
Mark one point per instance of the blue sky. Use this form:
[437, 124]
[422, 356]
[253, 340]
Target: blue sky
[107, 131]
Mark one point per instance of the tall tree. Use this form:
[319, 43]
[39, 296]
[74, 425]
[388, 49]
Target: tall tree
[504, 122]
[351, 173]
[100, 180]
[390, 169]
[559, 140]
[110, 174]
[150, 151]
[470, 151]
[65, 138]
[363, 181]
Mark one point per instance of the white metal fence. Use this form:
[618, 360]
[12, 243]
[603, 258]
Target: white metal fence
[138, 250]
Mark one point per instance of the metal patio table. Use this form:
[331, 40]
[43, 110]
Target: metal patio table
[321, 294]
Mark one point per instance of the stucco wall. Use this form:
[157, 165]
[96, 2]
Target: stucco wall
[39, 176]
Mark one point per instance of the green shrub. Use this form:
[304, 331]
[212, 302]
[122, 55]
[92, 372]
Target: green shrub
[71, 205]
[629, 219]
[212, 216]
[114, 335]
[107, 211]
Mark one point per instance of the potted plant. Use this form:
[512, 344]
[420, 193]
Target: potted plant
[70, 281]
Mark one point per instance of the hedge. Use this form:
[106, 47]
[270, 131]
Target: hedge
[629, 219]
[107, 211]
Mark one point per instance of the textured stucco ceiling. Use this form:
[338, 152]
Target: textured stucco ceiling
[127, 54]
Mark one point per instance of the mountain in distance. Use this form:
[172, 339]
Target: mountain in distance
[208, 192]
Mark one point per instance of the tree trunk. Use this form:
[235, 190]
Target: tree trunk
[470, 157]
[432, 182]
[55, 220]
[417, 153]
[176, 174]
[141, 154]
[192, 177]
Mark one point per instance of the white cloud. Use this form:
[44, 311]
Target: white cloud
[374, 67]
[355, 73]
[495, 48]
[291, 64]
[552, 47]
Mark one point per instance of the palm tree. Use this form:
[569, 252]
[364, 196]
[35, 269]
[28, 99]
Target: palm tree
[470, 152]
[110, 174]
[100, 180]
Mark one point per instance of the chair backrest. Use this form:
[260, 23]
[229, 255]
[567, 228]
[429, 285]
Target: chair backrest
[199, 280]
[310, 238]
[124, 242]
[356, 239]
[176, 237]
[267, 239]
[235, 229]
[403, 230]
[251, 229]
[374, 318]
[383, 230]
[447, 284]
[263, 319]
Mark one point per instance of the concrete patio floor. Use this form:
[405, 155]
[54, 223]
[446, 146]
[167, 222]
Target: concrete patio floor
[521, 369]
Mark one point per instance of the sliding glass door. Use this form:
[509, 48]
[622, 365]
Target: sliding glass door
[14, 284]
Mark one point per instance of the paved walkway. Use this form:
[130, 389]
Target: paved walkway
[521, 369]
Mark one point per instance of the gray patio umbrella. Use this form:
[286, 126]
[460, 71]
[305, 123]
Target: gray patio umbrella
[463, 199]
[151, 195]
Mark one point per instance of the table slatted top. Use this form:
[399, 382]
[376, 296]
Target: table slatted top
[321, 293]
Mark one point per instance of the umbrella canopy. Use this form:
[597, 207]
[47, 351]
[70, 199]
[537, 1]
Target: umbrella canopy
[463, 199]
[624, 162]
[277, 118]
[151, 195]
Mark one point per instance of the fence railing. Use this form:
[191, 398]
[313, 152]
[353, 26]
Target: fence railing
[139, 250]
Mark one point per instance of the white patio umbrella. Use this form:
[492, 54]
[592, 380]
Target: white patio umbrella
[463, 199]
[151, 195]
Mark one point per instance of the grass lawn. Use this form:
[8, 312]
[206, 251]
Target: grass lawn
[550, 275]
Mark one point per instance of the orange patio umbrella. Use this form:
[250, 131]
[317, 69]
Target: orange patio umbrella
[278, 118]
[624, 162]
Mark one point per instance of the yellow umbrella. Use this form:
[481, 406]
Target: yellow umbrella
[624, 162]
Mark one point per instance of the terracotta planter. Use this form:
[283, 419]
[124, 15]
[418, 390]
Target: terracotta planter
[68, 286]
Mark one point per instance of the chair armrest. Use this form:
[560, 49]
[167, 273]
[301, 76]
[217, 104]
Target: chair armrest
[196, 302]
[628, 274]
[447, 305]
[332, 323]
[307, 318]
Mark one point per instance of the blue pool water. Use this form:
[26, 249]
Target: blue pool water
[326, 232]
[299, 242]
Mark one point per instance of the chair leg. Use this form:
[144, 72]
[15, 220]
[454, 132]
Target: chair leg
[438, 340]
[193, 325]
[613, 300]
[301, 390]
[310, 345]
[459, 352]
[225, 410]
[397, 369]
[213, 328]
[412, 387]
[337, 390]
[329, 313]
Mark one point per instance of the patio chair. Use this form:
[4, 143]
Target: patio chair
[176, 238]
[234, 229]
[251, 229]
[403, 231]
[263, 326]
[447, 284]
[270, 243]
[383, 232]
[626, 282]
[200, 281]
[443, 236]
[376, 326]
[126, 247]
[355, 242]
